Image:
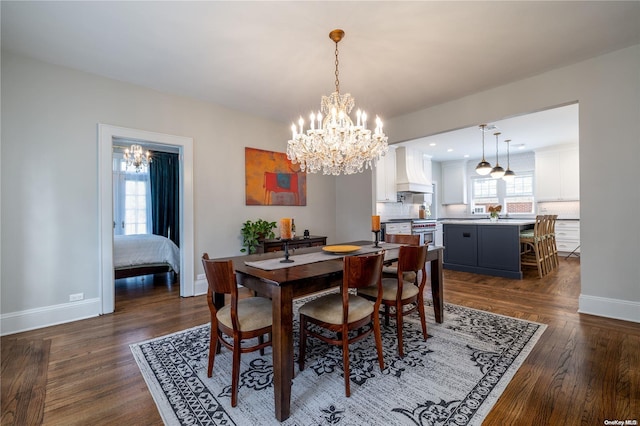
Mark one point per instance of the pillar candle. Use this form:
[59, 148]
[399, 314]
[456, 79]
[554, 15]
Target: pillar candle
[285, 228]
[375, 223]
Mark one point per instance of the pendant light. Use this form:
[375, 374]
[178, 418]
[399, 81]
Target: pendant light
[497, 172]
[509, 175]
[483, 168]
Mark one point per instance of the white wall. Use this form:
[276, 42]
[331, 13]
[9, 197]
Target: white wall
[50, 180]
[608, 90]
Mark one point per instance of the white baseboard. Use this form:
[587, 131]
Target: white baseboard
[610, 308]
[31, 319]
[200, 287]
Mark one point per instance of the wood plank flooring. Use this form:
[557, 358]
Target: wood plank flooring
[583, 371]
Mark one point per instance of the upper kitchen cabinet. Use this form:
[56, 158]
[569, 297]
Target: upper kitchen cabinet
[386, 177]
[454, 182]
[558, 174]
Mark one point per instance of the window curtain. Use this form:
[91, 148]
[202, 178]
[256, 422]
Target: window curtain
[164, 174]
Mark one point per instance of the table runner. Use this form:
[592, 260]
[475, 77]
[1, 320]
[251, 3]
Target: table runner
[317, 256]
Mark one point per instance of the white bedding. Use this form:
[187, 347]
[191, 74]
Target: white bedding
[144, 249]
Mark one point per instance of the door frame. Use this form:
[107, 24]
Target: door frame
[106, 135]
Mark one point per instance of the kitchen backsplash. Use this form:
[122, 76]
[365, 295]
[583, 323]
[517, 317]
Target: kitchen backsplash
[398, 210]
[564, 209]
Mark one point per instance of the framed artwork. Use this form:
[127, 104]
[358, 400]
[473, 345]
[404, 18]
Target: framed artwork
[271, 179]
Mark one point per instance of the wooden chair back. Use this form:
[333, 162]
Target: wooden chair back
[413, 240]
[362, 271]
[220, 274]
[412, 258]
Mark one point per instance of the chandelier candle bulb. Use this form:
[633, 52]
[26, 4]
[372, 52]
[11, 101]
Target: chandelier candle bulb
[375, 223]
[285, 228]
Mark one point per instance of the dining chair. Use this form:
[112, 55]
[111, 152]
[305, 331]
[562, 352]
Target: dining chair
[344, 312]
[392, 271]
[240, 319]
[398, 292]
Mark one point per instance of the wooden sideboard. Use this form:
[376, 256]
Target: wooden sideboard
[297, 242]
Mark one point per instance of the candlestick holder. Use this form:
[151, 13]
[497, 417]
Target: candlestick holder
[377, 234]
[286, 251]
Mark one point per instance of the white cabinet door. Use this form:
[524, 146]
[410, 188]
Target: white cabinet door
[454, 182]
[386, 178]
[557, 175]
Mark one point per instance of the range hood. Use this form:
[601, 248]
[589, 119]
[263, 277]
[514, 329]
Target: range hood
[410, 175]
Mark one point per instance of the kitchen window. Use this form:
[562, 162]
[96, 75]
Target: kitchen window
[516, 196]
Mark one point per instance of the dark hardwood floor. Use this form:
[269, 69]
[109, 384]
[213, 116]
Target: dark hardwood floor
[583, 371]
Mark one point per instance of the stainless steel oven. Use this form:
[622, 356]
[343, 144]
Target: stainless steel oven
[426, 228]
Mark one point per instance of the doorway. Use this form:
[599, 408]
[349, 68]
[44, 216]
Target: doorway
[106, 136]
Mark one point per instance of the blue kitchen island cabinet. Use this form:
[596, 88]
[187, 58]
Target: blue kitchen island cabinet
[484, 247]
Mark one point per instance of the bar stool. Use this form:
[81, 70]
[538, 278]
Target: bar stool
[532, 242]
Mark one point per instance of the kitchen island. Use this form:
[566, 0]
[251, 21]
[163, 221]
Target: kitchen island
[484, 247]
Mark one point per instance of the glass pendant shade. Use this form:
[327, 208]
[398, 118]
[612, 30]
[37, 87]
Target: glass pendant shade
[483, 168]
[509, 175]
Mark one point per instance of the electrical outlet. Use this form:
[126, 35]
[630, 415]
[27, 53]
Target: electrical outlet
[201, 276]
[76, 297]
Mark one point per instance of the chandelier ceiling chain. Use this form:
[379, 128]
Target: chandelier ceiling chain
[333, 143]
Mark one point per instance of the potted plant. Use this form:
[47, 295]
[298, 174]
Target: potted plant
[254, 232]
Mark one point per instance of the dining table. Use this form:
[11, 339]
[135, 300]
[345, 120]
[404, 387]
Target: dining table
[297, 279]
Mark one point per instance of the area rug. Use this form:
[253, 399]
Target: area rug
[453, 378]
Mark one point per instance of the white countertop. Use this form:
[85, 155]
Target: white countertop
[514, 222]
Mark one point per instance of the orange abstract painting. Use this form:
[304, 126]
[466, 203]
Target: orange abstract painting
[271, 179]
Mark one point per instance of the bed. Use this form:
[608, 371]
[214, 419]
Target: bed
[144, 254]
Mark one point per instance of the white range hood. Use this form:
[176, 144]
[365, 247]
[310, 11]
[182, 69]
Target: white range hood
[410, 176]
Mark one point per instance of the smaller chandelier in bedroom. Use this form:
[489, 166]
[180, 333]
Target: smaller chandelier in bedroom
[333, 143]
[136, 157]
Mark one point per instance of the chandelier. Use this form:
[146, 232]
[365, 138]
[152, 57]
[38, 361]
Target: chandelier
[333, 143]
[135, 157]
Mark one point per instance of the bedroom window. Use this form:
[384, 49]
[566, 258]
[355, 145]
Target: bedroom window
[131, 199]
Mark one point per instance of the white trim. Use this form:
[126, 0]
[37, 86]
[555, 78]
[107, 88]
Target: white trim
[106, 133]
[610, 308]
[201, 287]
[31, 319]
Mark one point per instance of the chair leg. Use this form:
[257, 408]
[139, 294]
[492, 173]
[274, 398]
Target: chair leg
[378, 336]
[399, 328]
[536, 250]
[261, 341]
[386, 315]
[303, 341]
[423, 318]
[235, 371]
[213, 349]
[345, 363]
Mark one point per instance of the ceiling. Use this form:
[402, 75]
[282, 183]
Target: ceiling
[275, 59]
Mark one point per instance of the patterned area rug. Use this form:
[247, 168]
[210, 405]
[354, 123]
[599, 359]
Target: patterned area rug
[454, 378]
